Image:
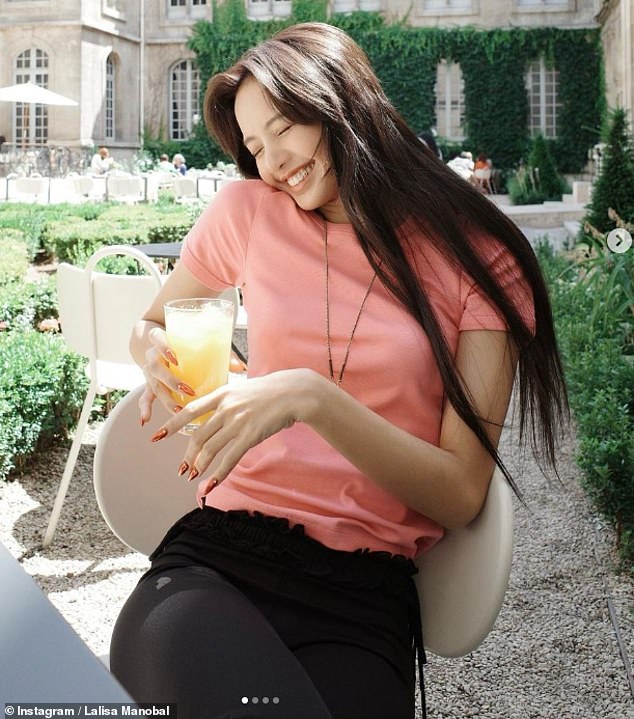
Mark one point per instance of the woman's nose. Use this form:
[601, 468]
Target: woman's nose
[276, 159]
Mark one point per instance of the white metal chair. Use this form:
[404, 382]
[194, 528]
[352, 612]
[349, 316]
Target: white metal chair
[97, 313]
[185, 189]
[129, 189]
[32, 189]
[462, 579]
[483, 178]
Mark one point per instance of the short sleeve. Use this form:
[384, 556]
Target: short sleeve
[478, 311]
[215, 248]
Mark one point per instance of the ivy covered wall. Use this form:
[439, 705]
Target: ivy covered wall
[405, 58]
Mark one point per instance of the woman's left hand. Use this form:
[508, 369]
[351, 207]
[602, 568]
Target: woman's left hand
[244, 415]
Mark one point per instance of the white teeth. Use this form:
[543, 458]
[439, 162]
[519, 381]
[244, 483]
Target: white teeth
[299, 176]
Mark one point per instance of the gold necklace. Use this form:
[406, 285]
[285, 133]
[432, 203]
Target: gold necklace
[339, 379]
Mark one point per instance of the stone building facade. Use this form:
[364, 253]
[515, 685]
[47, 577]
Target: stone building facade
[128, 65]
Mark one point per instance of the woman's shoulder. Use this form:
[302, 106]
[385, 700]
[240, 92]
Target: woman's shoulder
[252, 196]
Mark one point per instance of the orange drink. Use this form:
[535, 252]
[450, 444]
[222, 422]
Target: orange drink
[199, 332]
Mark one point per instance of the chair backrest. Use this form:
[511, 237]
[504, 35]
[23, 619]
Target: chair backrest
[127, 188]
[461, 581]
[36, 187]
[483, 173]
[97, 311]
[185, 187]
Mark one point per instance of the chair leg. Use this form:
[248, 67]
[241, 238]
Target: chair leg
[70, 464]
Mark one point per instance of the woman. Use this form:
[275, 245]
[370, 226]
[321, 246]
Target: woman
[389, 305]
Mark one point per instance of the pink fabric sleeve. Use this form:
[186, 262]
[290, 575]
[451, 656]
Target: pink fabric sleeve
[479, 311]
[215, 248]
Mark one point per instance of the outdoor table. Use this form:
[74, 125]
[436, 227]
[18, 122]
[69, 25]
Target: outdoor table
[42, 658]
[169, 250]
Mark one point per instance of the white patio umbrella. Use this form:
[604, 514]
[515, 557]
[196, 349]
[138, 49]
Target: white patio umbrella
[29, 93]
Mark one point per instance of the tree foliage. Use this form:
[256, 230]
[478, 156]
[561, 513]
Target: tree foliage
[406, 58]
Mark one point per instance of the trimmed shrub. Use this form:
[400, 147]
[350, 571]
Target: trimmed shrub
[614, 187]
[41, 390]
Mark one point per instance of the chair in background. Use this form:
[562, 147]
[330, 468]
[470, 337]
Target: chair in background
[123, 188]
[462, 580]
[483, 179]
[31, 189]
[185, 189]
[97, 312]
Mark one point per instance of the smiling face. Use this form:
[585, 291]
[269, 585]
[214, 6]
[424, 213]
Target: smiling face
[289, 156]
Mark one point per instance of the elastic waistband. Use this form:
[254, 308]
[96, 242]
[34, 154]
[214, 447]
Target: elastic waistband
[274, 539]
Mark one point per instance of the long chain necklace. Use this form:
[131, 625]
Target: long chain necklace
[339, 378]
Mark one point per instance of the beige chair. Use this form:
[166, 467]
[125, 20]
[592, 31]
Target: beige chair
[461, 581]
[32, 189]
[185, 189]
[129, 189]
[97, 312]
[483, 179]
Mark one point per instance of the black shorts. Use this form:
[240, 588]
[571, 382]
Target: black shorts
[323, 604]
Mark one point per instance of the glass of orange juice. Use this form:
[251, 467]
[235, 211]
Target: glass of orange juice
[199, 331]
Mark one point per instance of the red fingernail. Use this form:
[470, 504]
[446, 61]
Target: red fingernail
[186, 389]
[177, 408]
[159, 435]
[212, 485]
[171, 357]
[193, 474]
[142, 421]
[182, 469]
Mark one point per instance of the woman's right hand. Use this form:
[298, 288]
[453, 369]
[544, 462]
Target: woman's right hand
[160, 382]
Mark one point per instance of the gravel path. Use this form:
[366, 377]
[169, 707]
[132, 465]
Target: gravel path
[553, 654]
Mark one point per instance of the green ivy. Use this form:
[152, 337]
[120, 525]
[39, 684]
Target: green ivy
[405, 59]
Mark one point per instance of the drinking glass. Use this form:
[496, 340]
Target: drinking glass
[199, 331]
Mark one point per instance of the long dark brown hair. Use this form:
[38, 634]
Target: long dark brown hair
[314, 72]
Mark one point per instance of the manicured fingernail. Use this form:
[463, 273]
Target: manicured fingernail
[186, 389]
[177, 408]
[159, 435]
[171, 357]
[211, 485]
[142, 421]
[193, 474]
[182, 469]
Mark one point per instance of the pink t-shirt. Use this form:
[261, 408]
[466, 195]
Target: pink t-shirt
[256, 238]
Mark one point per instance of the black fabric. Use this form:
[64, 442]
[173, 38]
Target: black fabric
[334, 633]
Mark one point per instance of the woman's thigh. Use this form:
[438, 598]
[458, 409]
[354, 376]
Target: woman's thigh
[186, 635]
[357, 683]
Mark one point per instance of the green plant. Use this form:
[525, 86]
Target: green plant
[41, 390]
[541, 162]
[593, 305]
[25, 305]
[614, 187]
[14, 259]
[406, 58]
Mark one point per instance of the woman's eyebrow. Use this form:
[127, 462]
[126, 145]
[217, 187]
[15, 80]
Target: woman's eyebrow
[267, 124]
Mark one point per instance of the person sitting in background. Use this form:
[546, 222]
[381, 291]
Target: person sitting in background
[179, 165]
[464, 166]
[482, 172]
[164, 164]
[101, 162]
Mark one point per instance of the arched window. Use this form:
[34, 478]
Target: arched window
[542, 85]
[30, 121]
[110, 125]
[184, 89]
[449, 92]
